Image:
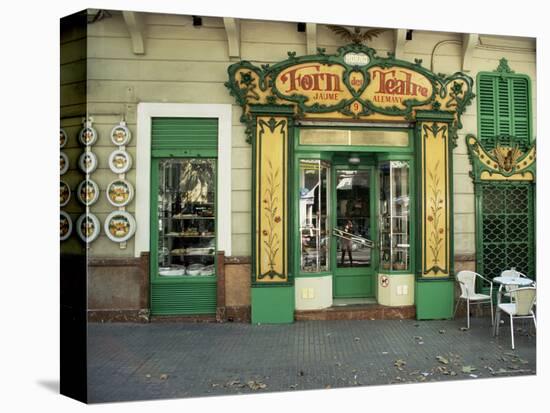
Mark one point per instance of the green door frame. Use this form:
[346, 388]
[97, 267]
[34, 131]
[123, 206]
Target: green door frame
[334, 154]
[367, 164]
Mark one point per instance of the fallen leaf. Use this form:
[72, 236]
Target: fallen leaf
[148, 376]
[441, 331]
[474, 376]
[420, 342]
[417, 337]
[357, 339]
[256, 385]
[384, 352]
[293, 386]
[463, 328]
[468, 369]
[442, 359]
[300, 373]
[399, 363]
[163, 376]
[328, 386]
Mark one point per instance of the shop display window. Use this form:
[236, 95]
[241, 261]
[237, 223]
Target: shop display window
[186, 217]
[394, 216]
[314, 199]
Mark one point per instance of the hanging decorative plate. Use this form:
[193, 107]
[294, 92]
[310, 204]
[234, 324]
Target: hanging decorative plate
[64, 193]
[87, 192]
[87, 162]
[63, 163]
[63, 138]
[120, 226]
[120, 161]
[87, 136]
[88, 227]
[121, 135]
[120, 192]
[65, 225]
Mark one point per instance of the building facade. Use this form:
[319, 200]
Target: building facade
[273, 171]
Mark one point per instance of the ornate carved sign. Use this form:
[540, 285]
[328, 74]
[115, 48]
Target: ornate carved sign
[355, 84]
[503, 162]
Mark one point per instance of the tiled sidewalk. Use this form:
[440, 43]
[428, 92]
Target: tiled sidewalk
[174, 360]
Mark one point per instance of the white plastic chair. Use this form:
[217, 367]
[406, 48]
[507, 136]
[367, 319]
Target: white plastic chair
[511, 273]
[467, 282]
[521, 306]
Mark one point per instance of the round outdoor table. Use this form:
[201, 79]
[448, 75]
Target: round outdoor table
[509, 281]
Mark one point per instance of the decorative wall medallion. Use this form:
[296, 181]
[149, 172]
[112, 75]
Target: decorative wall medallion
[87, 136]
[120, 161]
[88, 227]
[63, 138]
[88, 192]
[65, 225]
[120, 192]
[120, 226]
[64, 193]
[87, 162]
[63, 163]
[121, 135]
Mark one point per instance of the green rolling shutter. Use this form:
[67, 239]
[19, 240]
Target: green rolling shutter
[503, 109]
[176, 137]
[194, 135]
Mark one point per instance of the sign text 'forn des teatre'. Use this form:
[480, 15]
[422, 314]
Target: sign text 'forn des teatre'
[324, 84]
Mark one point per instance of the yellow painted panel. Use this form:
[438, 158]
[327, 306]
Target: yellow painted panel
[524, 176]
[435, 200]
[271, 205]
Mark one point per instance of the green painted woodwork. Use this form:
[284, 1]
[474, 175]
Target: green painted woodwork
[355, 282]
[273, 305]
[184, 136]
[434, 299]
[179, 138]
[504, 109]
[505, 228]
[194, 296]
[254, 82]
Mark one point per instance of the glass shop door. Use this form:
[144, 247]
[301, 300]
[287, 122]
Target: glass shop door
[353, 231]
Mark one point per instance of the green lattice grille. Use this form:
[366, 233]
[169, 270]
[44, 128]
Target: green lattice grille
[507, 228]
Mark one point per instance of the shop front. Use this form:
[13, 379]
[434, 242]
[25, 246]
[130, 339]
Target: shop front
[352, 182]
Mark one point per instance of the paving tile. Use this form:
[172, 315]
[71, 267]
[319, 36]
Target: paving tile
[174, 360]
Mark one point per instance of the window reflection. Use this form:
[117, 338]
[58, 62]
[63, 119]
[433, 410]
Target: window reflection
[314, 215]
[394, 215]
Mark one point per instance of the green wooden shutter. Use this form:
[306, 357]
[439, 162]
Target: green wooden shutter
[191, 135]
[503, 109]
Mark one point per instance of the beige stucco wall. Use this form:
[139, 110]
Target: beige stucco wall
[186, 64]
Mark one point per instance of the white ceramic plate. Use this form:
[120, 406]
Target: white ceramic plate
[65, 225]
[120, 226]
[87, 192]
[120, 192]
[120, 161]
[87, 162]
[88, 227]
[63, 138]
[121, 135]
[63, 163]
[87, 136]
[64, 193]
